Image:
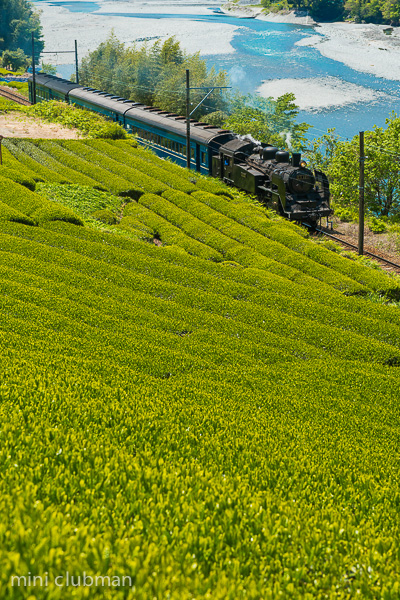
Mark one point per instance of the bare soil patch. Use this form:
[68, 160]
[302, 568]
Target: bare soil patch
[20, 125]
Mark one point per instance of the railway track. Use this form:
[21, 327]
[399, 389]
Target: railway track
[14, 96]
[387, 264]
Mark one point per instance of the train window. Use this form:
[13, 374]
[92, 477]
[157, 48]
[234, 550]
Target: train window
[192, 152]
[203, 158]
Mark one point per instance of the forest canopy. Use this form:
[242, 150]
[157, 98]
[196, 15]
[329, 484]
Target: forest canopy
[370, 11]
[18, 20]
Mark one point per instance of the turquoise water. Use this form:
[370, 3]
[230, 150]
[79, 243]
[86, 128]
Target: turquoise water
[267, 51]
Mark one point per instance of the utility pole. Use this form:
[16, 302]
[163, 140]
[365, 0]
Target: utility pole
[187, 119]
[33, 71]
[209, 90]
[1, 156]
[361, 196]
[68, 52]
[76, 62]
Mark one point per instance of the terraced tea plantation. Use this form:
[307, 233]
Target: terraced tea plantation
[197, 401]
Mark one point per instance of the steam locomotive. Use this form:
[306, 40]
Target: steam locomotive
[280, 180]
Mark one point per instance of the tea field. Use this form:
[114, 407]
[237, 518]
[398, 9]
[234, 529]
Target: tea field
[195, 396]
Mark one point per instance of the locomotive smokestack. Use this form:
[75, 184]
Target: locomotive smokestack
[296, 158]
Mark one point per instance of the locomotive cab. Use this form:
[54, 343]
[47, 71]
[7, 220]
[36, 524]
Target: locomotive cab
[231, 165]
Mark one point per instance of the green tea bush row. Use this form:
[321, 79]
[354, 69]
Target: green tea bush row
[251, 241]
[32, 205]
[189, 424]
[31, 148]
[271, 321]
[8, 213]
[42, 153]
[43, 173]
[18, 177]
[96, 157]
[113, 183]
[11, 162]
[166, 232]
[202, 182]
[155, 170]
[294, 238]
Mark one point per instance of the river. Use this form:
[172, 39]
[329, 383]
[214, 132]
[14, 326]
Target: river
[258, 55]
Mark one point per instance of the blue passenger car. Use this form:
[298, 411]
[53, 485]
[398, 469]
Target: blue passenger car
[160, 130]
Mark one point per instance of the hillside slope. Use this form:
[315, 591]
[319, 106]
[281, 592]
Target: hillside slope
[215, 415]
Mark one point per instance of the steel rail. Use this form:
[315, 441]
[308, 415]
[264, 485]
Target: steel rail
[15, 97]
[334, 237]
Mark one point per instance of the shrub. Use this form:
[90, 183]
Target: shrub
[95, 157]
[376, 225]
[156, 169]
[8, 213]
[31, 204]
[115, 184]
[89, 123]
[43, 172]
[18, 176]
[104, 216]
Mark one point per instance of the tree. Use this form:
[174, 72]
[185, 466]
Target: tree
[49, 69]
[382, 168]
[267, 120]
[153, 75]
[17, 22]
[15, 59]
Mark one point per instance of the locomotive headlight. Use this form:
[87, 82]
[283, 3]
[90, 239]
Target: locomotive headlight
[303, 164]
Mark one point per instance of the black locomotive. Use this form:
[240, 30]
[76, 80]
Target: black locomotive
[280, 180]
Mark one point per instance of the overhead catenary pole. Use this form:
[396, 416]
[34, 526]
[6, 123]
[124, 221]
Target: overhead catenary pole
[33, 71]
[1, 156]
[187, 119]
[76, 62]
[361, 196]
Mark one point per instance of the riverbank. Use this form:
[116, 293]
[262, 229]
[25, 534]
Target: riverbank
[365, 47]
[133, 22]
[247, 11]
[362, 47]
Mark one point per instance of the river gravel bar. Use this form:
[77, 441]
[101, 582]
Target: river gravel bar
[317, 94]
[62, 27]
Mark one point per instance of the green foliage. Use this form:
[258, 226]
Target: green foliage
[6, 105]
[21, 86]
[105, 216]
[88, 123]
[49, 68]
[321, 10]
[22, 200]
[18, 20]
[267, 120]
[153, 75]
[208, 430]
[346, 215]
[18, 176]
[376, 225]
[212, 417]
[83, 200]
[16, 59]
[340, 161]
